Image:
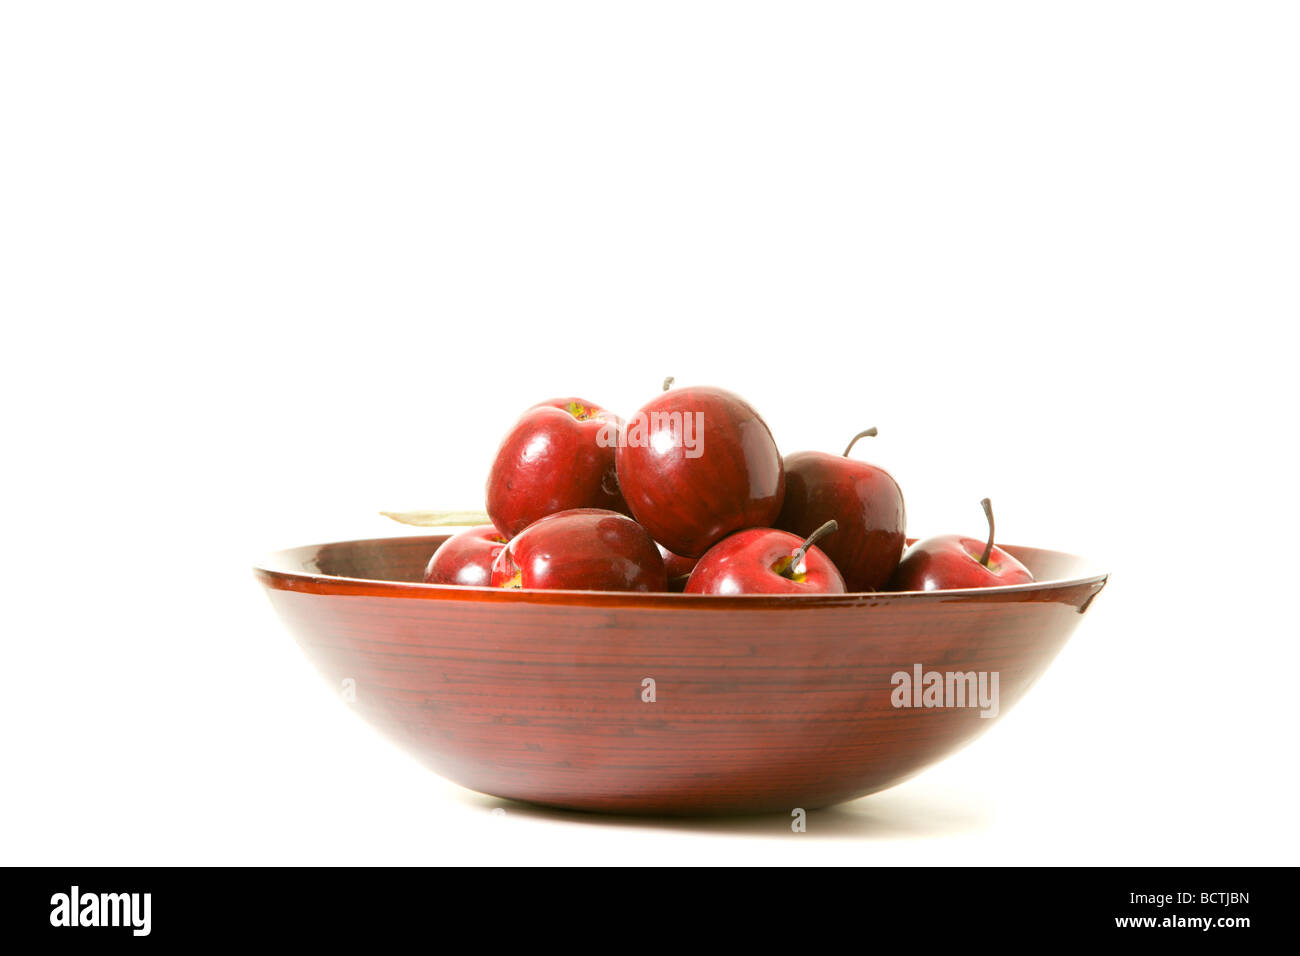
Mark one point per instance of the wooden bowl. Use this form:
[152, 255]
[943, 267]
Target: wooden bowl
[760, 703]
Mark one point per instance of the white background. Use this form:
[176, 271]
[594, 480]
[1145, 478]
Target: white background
[267, 268]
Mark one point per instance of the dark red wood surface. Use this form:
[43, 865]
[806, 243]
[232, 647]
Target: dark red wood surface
[762, 703]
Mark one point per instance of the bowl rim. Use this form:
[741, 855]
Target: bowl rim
[274, 571]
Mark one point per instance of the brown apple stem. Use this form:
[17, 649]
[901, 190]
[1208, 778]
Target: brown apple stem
[988, 548]
[668, 382]
[812, 539]
[869, 433]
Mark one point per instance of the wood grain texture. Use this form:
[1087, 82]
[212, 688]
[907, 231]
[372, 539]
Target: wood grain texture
[762, 703]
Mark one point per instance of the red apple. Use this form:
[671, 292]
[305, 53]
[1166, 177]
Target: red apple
[766, 561]
[952, 561]
[864, 500]
[558, 456]
[679, 569]
[466, 558]
[585, 549]
[695, 464]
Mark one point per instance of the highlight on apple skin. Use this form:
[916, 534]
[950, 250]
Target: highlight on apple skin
[584, 549]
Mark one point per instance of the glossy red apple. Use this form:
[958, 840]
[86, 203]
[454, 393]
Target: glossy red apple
[863, 499]
[679, 569]
[466, 558]
[696, 464]
[766, 561]
[557, 457]
[952, 561]
[586, 549]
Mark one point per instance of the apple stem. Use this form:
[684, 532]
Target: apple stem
[988, 548]
[869, 433]
[812, 539]
[668, 382]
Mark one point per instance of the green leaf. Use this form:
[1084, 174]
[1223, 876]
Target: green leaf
[438, 519]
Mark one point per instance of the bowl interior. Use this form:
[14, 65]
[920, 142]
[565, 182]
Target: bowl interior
[402, 560]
